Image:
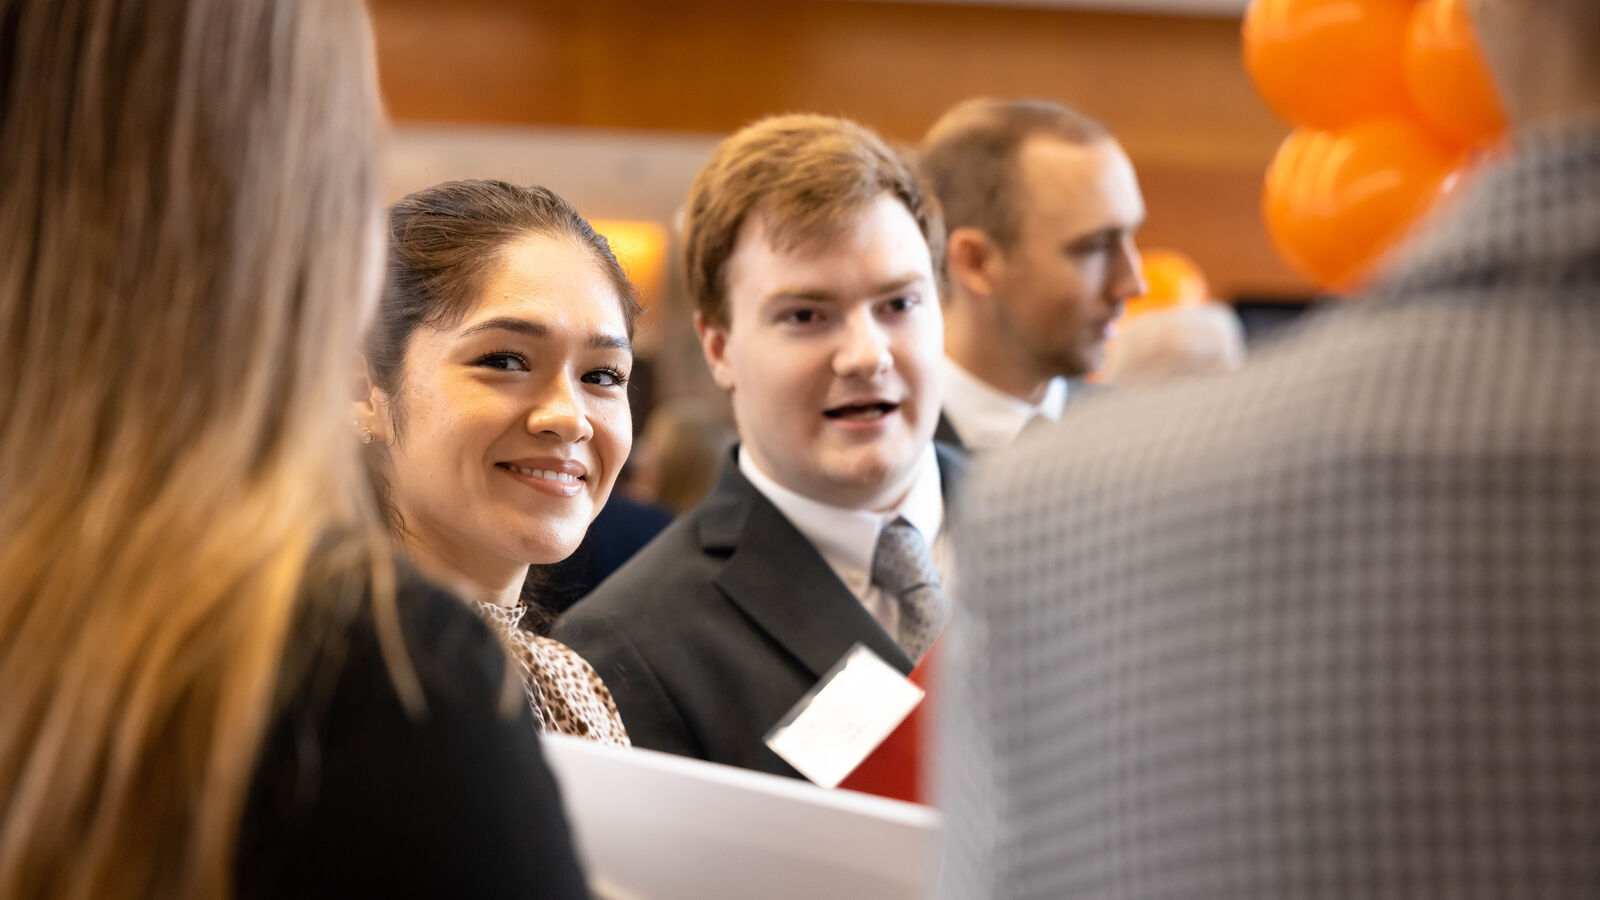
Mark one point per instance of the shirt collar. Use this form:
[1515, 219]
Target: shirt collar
[986, 417]
[847, 538]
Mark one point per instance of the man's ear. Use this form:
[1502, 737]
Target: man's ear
[714, 344]
[369, 406]
[973, 261]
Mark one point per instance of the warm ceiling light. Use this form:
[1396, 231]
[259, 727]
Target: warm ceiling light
[642, 249]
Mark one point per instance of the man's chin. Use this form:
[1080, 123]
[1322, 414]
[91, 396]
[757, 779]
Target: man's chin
[1077, 364]
[870, 481]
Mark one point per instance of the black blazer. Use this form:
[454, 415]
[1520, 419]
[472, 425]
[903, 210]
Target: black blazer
[355, 796]
[713, 631]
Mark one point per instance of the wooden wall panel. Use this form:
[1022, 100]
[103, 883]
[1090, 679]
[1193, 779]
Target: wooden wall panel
[1172, 89]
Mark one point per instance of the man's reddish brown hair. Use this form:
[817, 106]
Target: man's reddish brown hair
[808, 175]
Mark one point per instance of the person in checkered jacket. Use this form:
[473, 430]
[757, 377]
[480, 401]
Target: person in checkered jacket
[1330, 627]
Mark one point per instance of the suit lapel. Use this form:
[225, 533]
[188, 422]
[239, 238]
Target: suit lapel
[945, 433]
[953, 464]
[781, 582]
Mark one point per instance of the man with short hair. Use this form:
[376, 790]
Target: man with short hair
[1041, 205]
[1329, 627]
[811, 254]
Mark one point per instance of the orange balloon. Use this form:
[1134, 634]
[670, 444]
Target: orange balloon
[1171, 279]
[1328, 63]
[1447, 77]
[1336, 201]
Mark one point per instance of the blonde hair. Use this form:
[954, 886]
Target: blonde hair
[188, 188]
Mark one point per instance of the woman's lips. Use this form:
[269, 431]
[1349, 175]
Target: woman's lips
[560, 479]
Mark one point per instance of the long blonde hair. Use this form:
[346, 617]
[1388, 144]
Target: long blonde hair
[187, 193]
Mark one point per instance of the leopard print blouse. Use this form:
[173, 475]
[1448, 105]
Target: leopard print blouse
[564, 692]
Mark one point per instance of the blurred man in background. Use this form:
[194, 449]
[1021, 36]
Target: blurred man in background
[1329, 627]
[1041, 206]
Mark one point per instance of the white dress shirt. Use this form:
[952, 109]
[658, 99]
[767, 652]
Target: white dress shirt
[847, 538]
[986, 417]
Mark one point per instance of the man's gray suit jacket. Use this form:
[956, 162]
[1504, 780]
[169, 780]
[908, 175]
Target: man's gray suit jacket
[715, 629]
[1327, 628]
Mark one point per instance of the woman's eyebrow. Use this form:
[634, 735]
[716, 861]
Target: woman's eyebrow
[610, 342]
[508, 323]
[539, 330]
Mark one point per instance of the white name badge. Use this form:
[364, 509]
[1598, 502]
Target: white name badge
[838, 723]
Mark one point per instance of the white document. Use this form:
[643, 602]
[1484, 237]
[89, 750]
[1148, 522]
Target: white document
[652, 826]
[838, 723]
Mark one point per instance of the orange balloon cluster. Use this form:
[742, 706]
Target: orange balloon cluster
[1389, 97]
[1327, 63]
[1335, 201]
[1446, 75]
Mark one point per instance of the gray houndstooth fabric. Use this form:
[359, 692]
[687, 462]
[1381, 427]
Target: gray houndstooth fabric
[1329, 628]
[903, 566]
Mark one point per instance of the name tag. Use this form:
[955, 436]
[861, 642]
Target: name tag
[838, 723]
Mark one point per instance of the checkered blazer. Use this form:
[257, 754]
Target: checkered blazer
[1328, 628]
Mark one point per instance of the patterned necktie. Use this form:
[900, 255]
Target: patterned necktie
[903, 568]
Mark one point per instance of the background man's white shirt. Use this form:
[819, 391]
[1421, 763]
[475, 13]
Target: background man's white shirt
[986, 417]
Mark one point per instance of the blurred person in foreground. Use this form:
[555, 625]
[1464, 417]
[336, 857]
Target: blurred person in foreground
[496, 412]
[1180, 342]
[1328, 627]
[215, 681]
[1041, 205]
[811, 254]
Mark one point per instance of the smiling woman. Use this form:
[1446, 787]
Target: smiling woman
[496, 417]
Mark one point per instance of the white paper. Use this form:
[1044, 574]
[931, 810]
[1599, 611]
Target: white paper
[652, 826]
[838, 723]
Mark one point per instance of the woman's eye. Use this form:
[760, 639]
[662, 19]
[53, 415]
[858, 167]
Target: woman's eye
[606, 378]
[506, 362]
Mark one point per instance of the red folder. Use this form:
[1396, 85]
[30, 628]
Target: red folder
[900, 767]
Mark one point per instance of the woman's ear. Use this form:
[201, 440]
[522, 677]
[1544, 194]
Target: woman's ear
[369, 407]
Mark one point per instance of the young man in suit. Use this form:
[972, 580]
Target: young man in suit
[812, 254]
[1330, 627]
[1041, 206]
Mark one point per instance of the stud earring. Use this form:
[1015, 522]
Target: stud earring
[367, 436]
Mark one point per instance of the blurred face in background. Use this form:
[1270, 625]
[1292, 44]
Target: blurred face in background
[1074, 261]
[831, 354]
[513, 423]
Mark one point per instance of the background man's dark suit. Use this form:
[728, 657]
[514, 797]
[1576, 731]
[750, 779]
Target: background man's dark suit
[713, 631]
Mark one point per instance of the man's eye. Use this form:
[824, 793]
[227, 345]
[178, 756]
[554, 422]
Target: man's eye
[801, 316]
[606, 378]
[901, 304]
[504, 361]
